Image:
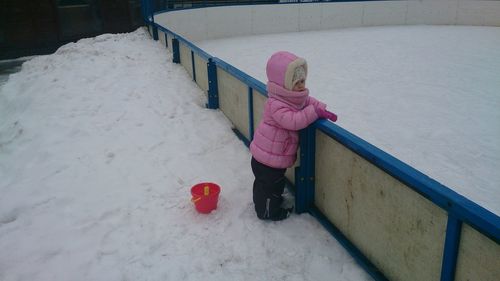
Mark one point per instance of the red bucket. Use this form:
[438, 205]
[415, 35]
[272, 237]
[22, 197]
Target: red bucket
[205, 196]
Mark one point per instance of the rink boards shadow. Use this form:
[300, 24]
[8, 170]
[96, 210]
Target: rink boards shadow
[397, 223]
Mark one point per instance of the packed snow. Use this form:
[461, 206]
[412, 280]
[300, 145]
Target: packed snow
[428, 95]
[100, 144]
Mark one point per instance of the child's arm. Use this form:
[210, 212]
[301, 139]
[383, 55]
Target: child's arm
[321, 109]
[294, 120]
[316, 103]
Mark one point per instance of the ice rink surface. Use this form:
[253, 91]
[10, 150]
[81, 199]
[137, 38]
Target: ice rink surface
[428, 95]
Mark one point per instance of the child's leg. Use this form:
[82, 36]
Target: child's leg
[268, 188]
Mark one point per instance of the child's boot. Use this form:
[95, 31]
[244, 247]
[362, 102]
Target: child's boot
[282, 214]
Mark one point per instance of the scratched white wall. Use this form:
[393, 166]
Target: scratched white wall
[220, 22]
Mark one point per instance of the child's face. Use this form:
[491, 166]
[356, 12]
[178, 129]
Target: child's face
[300, 85]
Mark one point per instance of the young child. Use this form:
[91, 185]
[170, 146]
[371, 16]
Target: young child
[289, 108]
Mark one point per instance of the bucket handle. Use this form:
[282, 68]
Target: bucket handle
[206, 192]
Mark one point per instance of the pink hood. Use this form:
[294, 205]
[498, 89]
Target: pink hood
[280, 68]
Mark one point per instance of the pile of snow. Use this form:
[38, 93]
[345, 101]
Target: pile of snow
[99, 146]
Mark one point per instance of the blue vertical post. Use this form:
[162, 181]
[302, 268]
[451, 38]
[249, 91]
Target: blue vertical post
[304, 174]
[193, 66]
[145, 4]
[153, 25]
[213, 89]
[149, 15]
[451, 244]
[250, 113]
[155, 31]
[176, 55]
[166, 40]
[151, 11]
[143, 10]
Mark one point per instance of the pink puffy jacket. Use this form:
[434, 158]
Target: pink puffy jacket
[276, 139]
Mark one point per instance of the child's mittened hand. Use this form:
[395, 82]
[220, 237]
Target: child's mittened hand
[330, 116]
[323, 113]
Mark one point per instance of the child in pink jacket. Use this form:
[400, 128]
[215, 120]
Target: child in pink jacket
[288, 109]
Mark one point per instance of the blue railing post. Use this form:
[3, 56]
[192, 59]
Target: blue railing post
[155, 31]
[149, 11]
[304, 174]
[147, 8]
[176, 55]
[451, 244]
[145, 11]
[166, 40]
[250, 113]
[193, 67]
[213, 89]
[153, 25]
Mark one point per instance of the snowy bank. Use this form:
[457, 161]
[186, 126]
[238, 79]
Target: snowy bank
[99, 146]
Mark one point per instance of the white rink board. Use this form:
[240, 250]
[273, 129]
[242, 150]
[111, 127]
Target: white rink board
[186, 61]
[231, 21]
[233, 100]
[169, 42]
[200, 67]
[478, 257]
[161, 37]
[400, 232]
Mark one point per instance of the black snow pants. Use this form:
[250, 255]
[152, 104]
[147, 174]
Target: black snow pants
[268, 188]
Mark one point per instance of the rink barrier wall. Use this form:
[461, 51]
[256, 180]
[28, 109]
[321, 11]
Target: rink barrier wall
[238, 20]
[397, 223]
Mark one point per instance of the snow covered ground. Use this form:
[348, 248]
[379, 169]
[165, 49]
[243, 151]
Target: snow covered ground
[99, 146]
[428, 95]
[101, 142]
